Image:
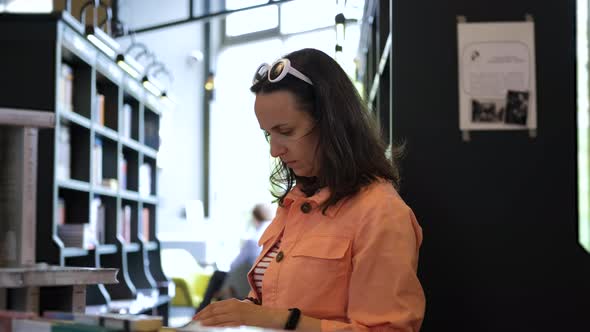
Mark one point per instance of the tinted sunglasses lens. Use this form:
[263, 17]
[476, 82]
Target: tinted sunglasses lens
[276, 70]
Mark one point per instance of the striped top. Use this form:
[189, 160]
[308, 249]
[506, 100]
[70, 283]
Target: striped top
[260, 268]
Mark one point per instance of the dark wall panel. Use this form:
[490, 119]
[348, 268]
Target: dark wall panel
[499, 213]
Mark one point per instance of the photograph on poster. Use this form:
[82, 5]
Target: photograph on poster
[496, 76]
[487, 110]
[517, 107]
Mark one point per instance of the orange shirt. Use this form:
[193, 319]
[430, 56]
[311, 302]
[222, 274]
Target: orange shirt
[354, 268]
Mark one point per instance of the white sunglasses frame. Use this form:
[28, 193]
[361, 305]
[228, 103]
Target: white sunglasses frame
[287, 69]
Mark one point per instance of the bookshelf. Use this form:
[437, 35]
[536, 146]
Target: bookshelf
[97, 195]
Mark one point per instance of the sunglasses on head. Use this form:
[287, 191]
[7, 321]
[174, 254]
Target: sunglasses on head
[277, 71]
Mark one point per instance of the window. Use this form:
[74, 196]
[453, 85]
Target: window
[250, 21]
[293, 17]
[237, 4]
[305, 15]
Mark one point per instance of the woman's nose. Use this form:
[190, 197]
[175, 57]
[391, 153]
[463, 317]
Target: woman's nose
[276, 149]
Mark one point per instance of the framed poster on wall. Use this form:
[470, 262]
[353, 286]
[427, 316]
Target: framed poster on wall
[497, 87]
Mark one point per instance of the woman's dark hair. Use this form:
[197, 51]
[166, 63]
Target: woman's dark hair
[350, 150]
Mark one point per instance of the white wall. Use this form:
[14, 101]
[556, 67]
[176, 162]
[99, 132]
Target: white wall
[181, 176]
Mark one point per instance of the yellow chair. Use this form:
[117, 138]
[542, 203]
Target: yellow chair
[189, 277]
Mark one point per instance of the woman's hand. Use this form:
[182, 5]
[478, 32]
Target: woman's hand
[234, 312]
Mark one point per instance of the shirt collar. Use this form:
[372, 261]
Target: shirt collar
[316, 199]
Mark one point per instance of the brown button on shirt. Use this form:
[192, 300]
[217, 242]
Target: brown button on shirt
[305, 207]
[280, 256]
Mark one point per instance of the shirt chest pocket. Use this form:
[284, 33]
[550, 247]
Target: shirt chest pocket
[322, 254]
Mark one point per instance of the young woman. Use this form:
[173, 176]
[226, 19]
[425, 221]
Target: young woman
[342, 251]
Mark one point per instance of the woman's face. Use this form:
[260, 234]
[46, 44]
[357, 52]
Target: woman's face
[290, 130]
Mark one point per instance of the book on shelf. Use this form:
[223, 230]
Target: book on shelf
[123, 171]
[152, 137]
[100, 109]
[65, 96]
[64, 151]
[61, 211]
[145, 179]
[126, 125]
[97, 220]
[111, 184]
[18, 195]
[77, 235]
[126, 223]
[100, 224]
[145, 224]
[97, 161]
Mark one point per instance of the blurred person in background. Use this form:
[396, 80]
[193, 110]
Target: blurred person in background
[234, 283]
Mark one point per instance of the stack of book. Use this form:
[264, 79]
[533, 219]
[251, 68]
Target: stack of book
[55, 321]
[113, 322]
[77, 235]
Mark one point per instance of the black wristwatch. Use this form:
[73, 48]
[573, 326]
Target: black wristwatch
[293, 319]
